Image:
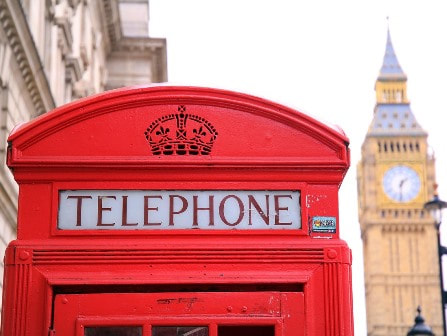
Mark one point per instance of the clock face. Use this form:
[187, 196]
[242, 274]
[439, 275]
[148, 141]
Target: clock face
[401, 183]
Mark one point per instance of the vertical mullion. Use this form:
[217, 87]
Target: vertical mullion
[213, 329]
[279, 328]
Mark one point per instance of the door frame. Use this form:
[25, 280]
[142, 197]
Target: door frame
[74, 312]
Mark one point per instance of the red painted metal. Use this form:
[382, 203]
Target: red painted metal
[114, 141]
[282, 311]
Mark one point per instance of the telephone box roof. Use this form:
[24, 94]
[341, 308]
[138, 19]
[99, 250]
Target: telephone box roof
[125, 126]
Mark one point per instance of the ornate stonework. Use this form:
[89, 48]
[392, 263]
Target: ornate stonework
[52, 52]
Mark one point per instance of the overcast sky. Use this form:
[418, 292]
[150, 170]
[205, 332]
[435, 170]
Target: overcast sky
[321, 58]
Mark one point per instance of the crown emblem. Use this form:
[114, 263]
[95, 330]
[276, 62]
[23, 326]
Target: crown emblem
[181, 134]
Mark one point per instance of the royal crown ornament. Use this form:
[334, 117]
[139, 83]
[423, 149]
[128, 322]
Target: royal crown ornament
[181, 133]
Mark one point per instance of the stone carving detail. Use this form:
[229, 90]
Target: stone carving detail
[181, 134]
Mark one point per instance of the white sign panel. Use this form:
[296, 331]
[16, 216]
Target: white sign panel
[179, 209]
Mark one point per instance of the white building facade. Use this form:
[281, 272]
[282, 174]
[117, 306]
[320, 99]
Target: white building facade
[56, 51]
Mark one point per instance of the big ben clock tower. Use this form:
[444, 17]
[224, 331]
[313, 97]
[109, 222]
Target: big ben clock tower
[396, 176]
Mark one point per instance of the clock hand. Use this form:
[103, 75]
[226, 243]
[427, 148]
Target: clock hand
[401, 184]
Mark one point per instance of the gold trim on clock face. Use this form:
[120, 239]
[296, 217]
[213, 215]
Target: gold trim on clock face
[401, 183]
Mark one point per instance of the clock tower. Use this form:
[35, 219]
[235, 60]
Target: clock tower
[396, 176]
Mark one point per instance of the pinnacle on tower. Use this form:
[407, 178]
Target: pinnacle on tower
[391, 69]
[392, 114]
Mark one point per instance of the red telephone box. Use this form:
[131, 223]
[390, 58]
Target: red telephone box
[177, 211]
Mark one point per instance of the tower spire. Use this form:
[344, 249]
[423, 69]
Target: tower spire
[391, 85]
[393, 115]
[391, 69]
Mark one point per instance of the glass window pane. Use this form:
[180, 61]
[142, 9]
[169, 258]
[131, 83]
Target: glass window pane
[246, 330]
[113, 331]
[179, 331]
